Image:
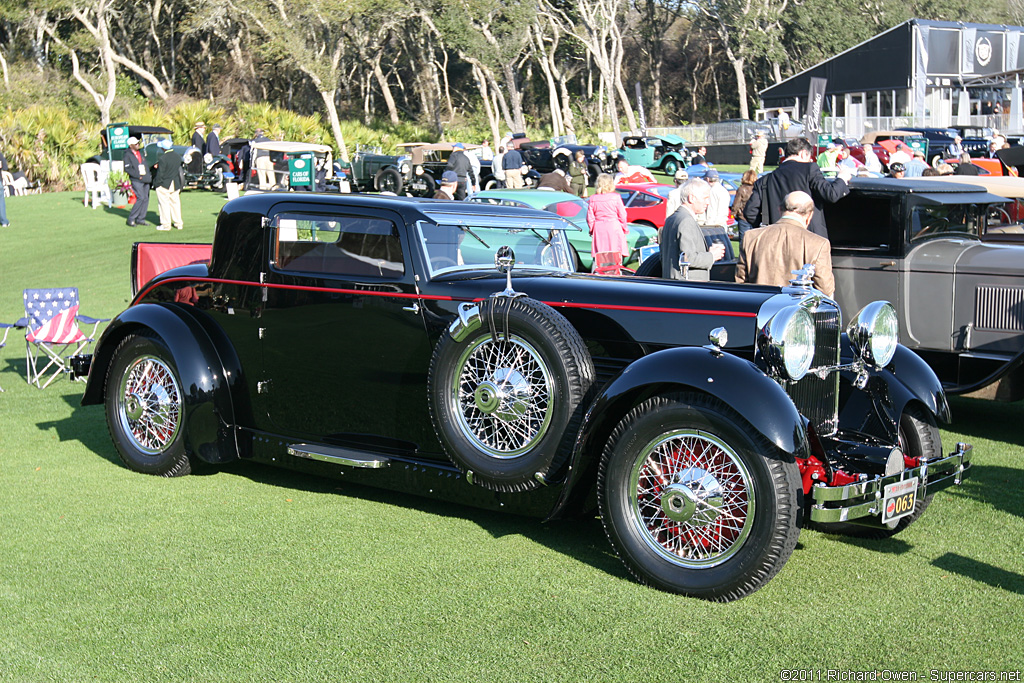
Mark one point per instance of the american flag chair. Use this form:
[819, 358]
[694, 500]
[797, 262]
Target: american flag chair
[52, 335]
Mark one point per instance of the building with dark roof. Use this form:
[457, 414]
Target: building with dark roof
[919, 73]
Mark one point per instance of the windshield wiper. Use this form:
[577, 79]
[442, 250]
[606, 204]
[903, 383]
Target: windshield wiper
[466, 228]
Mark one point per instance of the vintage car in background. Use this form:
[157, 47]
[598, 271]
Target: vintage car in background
[447, 349]
[371, 171]
[281, 152]
[943, 252]
[1003, 222]
[542, 156]
[939, 142]
[574, 210]
[646, 202]
[147, 135]
[422, 167]
[974, 139]
[665, 152]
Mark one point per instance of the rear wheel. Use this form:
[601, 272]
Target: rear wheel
[695, 501]
[670, 166]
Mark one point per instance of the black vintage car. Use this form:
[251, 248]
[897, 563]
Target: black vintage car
[449, 350]
[541, 156]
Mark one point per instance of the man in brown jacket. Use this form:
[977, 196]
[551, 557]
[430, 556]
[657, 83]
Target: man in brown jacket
[768, 255]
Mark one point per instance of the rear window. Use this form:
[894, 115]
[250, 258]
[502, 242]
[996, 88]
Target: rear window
[862, 224]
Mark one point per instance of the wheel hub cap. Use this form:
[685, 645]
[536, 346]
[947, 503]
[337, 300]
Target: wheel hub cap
[696, 498]
[506, 395]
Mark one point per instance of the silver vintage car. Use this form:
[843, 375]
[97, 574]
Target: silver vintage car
[938, 252]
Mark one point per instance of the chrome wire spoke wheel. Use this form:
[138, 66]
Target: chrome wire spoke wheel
[149, 404]
[502, 396]
[691, 498]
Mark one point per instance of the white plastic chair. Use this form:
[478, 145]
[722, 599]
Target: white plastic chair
[95, 185]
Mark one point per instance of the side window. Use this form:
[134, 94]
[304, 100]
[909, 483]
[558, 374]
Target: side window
[338, 245]
[862, 224]
[643, 199]
[929, 221]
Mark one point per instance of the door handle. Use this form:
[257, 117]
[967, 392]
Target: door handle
[415, 308]
[886, 264]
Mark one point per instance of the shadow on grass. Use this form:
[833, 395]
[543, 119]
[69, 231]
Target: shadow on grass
[582, 539]
[995, 486]
[981, 571]
[988, 420]
[883, 546]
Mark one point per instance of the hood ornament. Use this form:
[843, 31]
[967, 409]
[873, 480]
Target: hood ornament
[505, 261]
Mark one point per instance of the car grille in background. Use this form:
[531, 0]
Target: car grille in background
[999, 308]
[817, 398]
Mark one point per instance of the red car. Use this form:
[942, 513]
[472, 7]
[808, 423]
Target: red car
[645, 202]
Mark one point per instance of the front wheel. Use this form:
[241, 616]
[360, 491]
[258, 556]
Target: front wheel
[388, 180]
[145, 408]
[670, 166]
[695, 501]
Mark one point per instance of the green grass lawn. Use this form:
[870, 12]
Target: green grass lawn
[255, 574]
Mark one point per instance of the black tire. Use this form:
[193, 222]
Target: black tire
[577, 263]
[651, 267]
[145, 408]
[670, 166]
[511, 442]
[936, 160]
[490, 184]
[695, 501]
[388, 180]
[593, 170]
[919, 435]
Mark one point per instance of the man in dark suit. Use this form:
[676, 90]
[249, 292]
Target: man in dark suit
[213, 140]
[141, 178]
[463, 167]
[798, 173]
[198, 137]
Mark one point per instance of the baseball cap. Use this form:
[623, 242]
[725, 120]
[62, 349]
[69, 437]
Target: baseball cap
[133, 140]
[681, 174]
[458, 145]
[897, 167]
[449, 177]
[711, 174]
[200, 124]
[164, 144]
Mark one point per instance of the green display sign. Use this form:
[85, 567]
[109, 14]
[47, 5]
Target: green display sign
[300, 171]
[824, 139]
[117, 136]
[918, 145]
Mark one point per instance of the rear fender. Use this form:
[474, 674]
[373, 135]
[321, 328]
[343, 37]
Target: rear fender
[205, 379]
[736, 382]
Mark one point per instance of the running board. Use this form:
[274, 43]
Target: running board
[338, 455]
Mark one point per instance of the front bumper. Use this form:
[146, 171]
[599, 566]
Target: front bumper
[864, 498]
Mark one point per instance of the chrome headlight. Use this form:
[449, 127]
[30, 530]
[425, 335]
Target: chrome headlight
[787, 342]
[875, 333]
[405, 169]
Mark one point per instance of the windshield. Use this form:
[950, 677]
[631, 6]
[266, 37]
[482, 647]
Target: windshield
[928, 221]
[468, 243]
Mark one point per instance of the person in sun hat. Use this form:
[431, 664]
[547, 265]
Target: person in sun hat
[199, 137]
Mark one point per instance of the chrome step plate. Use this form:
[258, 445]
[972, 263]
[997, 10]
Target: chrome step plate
[338, 455]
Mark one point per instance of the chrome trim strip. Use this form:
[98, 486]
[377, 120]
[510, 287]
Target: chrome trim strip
[338, 456]
[935, 475]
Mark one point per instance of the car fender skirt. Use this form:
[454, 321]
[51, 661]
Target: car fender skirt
[736, 382]
[209, 433]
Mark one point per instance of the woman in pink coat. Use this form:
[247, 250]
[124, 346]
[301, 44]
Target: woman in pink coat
[606, 217]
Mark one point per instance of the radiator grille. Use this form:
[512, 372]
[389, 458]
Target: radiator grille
[818, 398]
[999, 308]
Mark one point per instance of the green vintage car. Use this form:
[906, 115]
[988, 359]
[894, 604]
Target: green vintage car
[574, 210]
[665, 152]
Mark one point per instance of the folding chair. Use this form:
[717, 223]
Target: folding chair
[609, 263]
[6, 327]
[52, 333]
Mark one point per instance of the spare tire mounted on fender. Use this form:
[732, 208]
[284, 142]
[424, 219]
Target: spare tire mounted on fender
[508, 385]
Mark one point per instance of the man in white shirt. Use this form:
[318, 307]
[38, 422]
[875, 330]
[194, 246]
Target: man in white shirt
[717, 213]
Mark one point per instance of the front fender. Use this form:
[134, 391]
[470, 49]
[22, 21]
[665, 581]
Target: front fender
[205, 380]
[876, 409]
[736, 382]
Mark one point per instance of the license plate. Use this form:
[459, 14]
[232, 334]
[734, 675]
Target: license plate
[898, 500]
